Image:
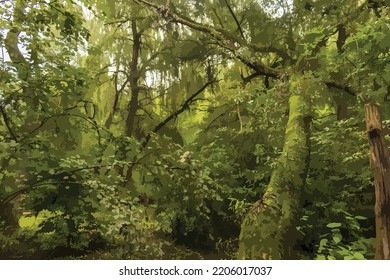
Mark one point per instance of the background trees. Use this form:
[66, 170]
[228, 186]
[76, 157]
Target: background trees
[189, 129]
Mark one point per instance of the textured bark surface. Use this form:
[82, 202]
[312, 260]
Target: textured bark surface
[268, 231]
[380, 163]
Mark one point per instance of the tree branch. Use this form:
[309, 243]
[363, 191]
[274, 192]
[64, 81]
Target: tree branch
[223, 38]
[235, 19]
[183, 107]
[347, 89]
[6, 121]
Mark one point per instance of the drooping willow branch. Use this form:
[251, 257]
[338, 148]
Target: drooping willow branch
[230, 41]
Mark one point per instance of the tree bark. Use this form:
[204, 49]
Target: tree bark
[12, 40]
[268, 230]
[117, 95]
[380, 164]
[8, 216]
[342, 110]
[135, 89]
[7, 210]
[134, 77]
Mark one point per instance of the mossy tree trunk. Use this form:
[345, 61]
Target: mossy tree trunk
[268, 231]
[380, 163]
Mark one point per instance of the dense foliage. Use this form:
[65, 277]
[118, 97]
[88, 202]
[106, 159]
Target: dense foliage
[162, 129]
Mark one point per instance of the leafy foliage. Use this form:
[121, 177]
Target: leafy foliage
[133, 130]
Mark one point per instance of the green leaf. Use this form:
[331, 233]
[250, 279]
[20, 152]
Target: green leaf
[337, 238]
[333, 225]
[385, 43]
[358, 256]
[360, 218]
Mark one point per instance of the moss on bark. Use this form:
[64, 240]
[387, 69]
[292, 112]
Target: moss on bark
[268, 231]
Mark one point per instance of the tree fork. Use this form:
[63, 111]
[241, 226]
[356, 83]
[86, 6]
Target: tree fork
[380, 164]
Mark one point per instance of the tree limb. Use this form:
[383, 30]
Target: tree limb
[347, 89]
[183, 107]
[7, 124]
[235, 19]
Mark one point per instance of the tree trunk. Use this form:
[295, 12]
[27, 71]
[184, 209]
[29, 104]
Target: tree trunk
[134, 77]
[268, 230]
[342, 110]
[135, 89]
[8, 217]
[12, 40]
[380, 163]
